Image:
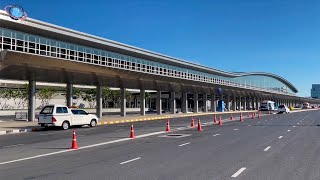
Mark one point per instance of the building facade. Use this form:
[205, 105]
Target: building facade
[315, 91]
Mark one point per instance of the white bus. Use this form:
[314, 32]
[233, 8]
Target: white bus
[267, 106]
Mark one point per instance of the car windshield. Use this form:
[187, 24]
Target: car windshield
[281, 106]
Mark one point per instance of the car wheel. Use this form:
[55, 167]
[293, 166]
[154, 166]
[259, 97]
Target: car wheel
[93, 123]
[65, 125]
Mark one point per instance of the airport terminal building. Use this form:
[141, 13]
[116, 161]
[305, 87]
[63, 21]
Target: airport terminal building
[36, 51]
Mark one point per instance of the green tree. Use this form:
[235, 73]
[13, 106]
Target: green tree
[46, 94]
[89, 95]
[4, 97]
[106, 96]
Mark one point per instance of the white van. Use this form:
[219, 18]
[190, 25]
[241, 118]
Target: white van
[267, 106]
[62, 116]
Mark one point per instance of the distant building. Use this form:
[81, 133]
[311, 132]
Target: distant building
[315, 91]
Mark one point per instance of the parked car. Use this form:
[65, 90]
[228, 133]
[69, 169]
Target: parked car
[62, 116]
[283, 109]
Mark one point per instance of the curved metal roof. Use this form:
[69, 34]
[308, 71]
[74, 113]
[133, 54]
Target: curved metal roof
[65, 34]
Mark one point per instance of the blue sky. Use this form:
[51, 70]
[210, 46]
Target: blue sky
[277, 36]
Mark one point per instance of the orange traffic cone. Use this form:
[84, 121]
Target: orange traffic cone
[199, 125]
[231, 117]
[220, 121]
[168, 127]
[248, 114]
[253, 115]
[74, 144]
[132, 132]
[192, 122]
[241, 117]
[215, 119]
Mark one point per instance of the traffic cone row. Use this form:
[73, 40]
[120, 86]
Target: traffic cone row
[259, 114]
[215, 119]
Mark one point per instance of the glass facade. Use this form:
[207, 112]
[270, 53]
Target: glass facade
[315, 91]
[18, 41]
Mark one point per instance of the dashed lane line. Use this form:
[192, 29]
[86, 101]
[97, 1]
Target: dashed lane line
[267, 148]
[289, 130]
[125, 162]
[280, 137]
[238, 172]
[184, 144]
[216, 135]
[15, 145]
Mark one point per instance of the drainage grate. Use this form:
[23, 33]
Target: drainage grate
[175, 135]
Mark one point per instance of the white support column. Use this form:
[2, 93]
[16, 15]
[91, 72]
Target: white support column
[99, 101]
[69, 94]
[245, 104]
[195, 103]
[252, 103]
[142, 102]
[184, 103]
[205, 107]
[31, 100]
[240, 103]
[234, 103]
[173, 102]
[123, 102]
[159, 102]
[228, 103]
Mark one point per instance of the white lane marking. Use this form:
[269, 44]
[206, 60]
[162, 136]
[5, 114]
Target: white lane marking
[238, 172]
[294, 126]
[298, 123]
[44, 134]
[125, 162]
[184, 144]
[280, 137]
[84, 147]
[216, 135]
[267, 148]
[235, 129]
[259, 122]
[13, 145]
[289, 130]
[249, 125]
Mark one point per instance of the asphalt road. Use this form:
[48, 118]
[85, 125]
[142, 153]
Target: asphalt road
[272, 147]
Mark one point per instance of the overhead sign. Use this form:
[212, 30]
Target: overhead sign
[16, 12]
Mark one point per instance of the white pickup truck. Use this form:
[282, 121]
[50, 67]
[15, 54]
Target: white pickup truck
[62, 116]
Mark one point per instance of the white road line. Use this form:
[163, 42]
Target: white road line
[267, 148]
[13, 145]
[125, 162]
[184, 144]
[235, 129]
[289, 130]
[238, 172]
[84, 147]
[44, 134]
[280, 137]
[298, 123]
[249, 125]
[216, 135]
[294, 126]
[259, 122]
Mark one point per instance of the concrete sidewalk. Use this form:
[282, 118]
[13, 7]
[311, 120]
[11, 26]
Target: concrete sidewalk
[7, 127]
